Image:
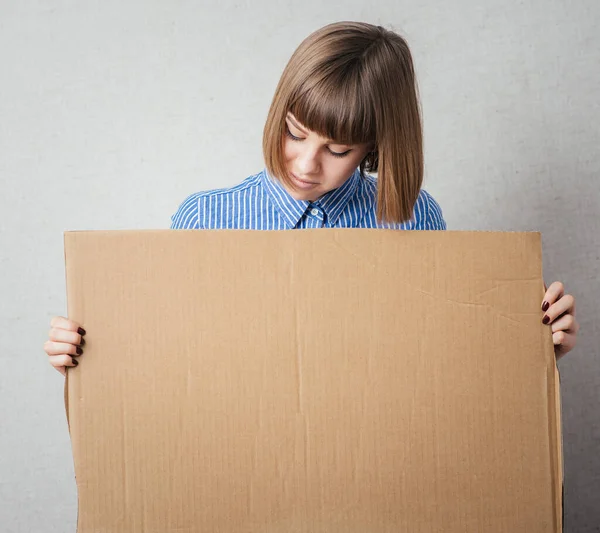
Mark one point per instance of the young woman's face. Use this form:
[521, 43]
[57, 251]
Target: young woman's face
[317, 165]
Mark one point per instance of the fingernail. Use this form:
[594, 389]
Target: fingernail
[81, 331]
[82, 342]
[546, 319]
[79, 350]
[75, 361]
[545, 306]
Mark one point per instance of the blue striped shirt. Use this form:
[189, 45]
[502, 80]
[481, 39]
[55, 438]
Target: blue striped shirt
[261, 202]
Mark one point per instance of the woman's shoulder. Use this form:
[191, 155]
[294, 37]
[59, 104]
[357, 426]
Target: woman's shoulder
[189, 213]
[428, 213]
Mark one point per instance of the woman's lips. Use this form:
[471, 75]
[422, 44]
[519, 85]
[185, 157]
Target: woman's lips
[303, 184]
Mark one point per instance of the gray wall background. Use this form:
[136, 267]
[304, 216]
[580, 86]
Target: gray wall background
[112, 112]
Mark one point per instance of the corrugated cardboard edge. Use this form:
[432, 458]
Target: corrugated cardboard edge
[555, 435]
[66, 390]
[555, 441]
[560, 447]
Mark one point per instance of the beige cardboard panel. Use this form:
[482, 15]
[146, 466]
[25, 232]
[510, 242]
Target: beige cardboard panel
[326, 380]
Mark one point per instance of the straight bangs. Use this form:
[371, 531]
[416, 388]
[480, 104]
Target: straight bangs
[336, 107]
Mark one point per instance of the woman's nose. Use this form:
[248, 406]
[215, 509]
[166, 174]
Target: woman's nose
[307, 162]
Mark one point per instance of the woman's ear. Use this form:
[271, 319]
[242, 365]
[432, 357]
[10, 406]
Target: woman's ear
[371, 160]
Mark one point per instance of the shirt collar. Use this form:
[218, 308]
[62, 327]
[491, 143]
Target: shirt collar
[333, 203]
[289, 208]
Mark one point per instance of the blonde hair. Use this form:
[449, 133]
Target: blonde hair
[355, 83]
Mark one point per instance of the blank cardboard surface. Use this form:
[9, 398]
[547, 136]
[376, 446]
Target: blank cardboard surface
[312, 381]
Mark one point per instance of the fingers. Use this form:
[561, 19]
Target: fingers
[63, 335]
[61, 361]
[566, 305]
[64, 344]
[559, 312]
[62, 355]
[566, 323]
[59, 348]
[563, 342]
[60, 322]
[553, 293]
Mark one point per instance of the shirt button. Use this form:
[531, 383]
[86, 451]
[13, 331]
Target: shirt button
[314, 212]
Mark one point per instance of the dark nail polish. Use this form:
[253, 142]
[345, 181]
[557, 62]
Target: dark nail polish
[82, 342]
[79, 350]
[545, 306]
[546, 319]
[75, 362]
[81, 331]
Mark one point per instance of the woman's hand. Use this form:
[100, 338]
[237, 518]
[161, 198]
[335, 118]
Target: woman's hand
[560, 316]
[64, 344]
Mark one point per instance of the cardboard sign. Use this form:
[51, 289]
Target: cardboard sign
[339, 381]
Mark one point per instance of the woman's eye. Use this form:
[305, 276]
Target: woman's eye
[291, 135]
[337, 154]
[294, 138]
